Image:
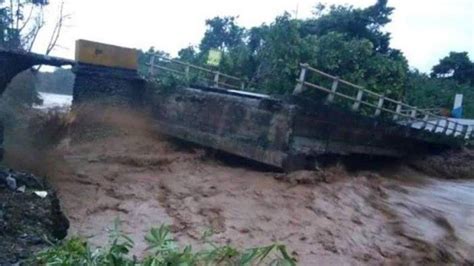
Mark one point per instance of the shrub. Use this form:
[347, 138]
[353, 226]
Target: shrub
[162, 250]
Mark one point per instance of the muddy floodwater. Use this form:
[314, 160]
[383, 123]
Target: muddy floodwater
[392, 215]
[349, 218]
[439, 212]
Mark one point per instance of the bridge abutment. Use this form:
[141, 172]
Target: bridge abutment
[110, 86]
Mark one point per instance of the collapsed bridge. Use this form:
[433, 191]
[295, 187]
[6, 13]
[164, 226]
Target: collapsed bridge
[14, 62]
[290, 132]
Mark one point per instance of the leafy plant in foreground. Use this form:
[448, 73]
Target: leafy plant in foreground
[162, 250]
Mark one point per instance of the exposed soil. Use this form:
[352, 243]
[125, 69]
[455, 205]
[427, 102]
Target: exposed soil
[329, 217]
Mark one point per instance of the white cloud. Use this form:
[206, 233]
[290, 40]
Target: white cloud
[428, 30]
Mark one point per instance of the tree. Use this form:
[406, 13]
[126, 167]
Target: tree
[20, 23]
[355, 22]
[431, 92]
[187, 54]
[456, 66]
[277, 56]
[341, 40]
[221, 33]
[453, 74]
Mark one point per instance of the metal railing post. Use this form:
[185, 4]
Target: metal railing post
[455, 130]
[436, 126]
[465, 131]
[425, 121]
[216, 79]
[151, 70]
[397, 111]
[299, 88]
[356, 105]
[461, 131]
[333, 90]
[413, 114]
[379, 106]
[242, 85]
[445, 129]
[186, 71]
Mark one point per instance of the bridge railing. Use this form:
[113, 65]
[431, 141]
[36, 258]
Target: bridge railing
[161, 64]
[359, 97]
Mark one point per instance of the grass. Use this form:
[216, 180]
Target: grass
[162, 250]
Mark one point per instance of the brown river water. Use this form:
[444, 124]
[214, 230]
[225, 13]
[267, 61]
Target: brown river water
[396, 215]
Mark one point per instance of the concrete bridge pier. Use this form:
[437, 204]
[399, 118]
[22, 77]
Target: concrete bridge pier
[109, 86]
[108, 74]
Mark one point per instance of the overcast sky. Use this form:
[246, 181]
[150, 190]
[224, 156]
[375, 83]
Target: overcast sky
[425, 30]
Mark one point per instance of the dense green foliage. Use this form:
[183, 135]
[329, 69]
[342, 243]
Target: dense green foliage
[162, 250]
[455, 66]
[341, 40]
[454, 74]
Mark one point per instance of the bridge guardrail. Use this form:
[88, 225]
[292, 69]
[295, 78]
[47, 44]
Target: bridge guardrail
[212, 78]
[425, 118]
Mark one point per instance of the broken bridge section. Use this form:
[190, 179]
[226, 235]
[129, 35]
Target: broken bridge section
[293, 132]
[14, 62]
[213, 109]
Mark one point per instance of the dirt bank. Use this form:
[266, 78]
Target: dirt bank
[395, 215]
[27, 221]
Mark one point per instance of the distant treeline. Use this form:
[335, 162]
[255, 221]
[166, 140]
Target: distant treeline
[60, 81]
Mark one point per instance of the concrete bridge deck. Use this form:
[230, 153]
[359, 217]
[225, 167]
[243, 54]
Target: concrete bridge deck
[286, 132]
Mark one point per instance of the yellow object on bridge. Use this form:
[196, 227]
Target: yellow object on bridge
[106, 55]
